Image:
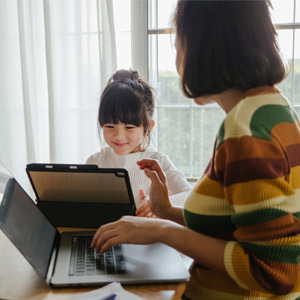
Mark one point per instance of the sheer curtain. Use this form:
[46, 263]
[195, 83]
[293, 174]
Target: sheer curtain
[55, 57]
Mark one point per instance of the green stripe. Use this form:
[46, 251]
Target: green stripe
[257, 216]
[282, 254]
[208, 224]
[221, 135]
[297, 215]
[267, 116]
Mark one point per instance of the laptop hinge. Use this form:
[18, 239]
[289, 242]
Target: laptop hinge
[53, 257]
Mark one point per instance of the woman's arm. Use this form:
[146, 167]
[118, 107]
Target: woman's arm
[160, 203]
[134, 230]
[205, 250]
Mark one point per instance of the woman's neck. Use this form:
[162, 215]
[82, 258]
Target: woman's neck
[229, 98]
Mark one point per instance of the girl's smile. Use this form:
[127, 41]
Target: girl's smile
[123, 138]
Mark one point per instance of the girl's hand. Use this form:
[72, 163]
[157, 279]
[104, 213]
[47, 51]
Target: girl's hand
[144, 210]
[158, 196]
[129, 229]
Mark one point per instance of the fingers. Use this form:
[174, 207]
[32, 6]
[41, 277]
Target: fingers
[142, 194]
[153, 165]
[104, 236]
[143, 211]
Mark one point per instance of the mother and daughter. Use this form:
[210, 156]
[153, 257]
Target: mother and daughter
[125, 118]
[241, 222]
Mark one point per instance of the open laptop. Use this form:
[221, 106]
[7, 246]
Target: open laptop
[81, 195]
[57, 259]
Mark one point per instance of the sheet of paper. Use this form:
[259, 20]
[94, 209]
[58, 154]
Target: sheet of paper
[105, 291]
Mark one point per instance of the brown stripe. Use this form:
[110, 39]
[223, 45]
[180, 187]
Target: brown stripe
[277, 278]
[281, 227]
[293, 154]
[209, 171]
[246, 147]
[253, 169]
[287, 133]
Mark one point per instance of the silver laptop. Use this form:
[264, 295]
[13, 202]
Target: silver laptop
[65, 259]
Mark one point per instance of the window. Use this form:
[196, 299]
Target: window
[186, 131]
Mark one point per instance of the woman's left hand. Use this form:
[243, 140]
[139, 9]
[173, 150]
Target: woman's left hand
[128, 229]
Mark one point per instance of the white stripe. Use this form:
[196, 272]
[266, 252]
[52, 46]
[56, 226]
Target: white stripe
[290, 204]
[207, 205]
[246, 108]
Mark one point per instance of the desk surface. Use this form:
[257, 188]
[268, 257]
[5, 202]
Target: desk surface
[19, 281]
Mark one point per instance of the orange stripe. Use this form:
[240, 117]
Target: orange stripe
[235, 149]
[287, 133]
[275, 276]
[264, 90]
[282, 226]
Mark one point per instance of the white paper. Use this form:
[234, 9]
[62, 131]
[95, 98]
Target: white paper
[105, 291]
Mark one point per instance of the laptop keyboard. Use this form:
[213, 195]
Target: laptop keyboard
[85, 261]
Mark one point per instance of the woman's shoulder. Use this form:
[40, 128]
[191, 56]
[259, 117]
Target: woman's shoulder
[256, 115]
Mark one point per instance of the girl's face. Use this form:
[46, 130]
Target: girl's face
[123, 138]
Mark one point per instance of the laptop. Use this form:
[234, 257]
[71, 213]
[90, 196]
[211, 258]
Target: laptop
[81, 195]
[65, 259]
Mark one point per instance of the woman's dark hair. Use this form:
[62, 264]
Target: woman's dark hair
[227, 44]
[128, 99]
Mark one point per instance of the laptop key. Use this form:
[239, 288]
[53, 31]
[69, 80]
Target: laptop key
[85, 261]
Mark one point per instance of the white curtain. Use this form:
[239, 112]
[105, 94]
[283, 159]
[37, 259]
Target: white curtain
[55, 58]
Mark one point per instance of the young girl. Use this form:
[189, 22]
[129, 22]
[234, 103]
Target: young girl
[125, 115]
[241, 221]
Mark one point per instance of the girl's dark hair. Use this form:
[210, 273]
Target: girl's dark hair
[128, 99]
[227, 44]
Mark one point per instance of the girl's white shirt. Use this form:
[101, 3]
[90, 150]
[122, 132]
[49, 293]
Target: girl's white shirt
[178, 186]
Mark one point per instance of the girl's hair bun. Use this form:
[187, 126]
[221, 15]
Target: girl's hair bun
[125, 74]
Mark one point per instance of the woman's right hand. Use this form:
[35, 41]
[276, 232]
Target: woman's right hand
[159, 198]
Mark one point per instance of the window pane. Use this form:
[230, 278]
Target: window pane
[297, 68]
[297, 10]
[160, 13]
[206, 123]
[283, 11]
[285, 38]
[174, 136]
[162, 71]
[298, 110]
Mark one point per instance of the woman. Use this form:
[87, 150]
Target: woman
[240, 221]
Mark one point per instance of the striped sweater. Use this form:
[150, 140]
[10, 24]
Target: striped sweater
[249, 196]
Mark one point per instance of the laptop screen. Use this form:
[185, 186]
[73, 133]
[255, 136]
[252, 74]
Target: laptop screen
[26, 227]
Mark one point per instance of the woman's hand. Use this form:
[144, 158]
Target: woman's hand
[144, 210]
[158, 196]
[129, 229]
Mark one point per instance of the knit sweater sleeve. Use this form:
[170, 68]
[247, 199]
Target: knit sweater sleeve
[258, 166]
